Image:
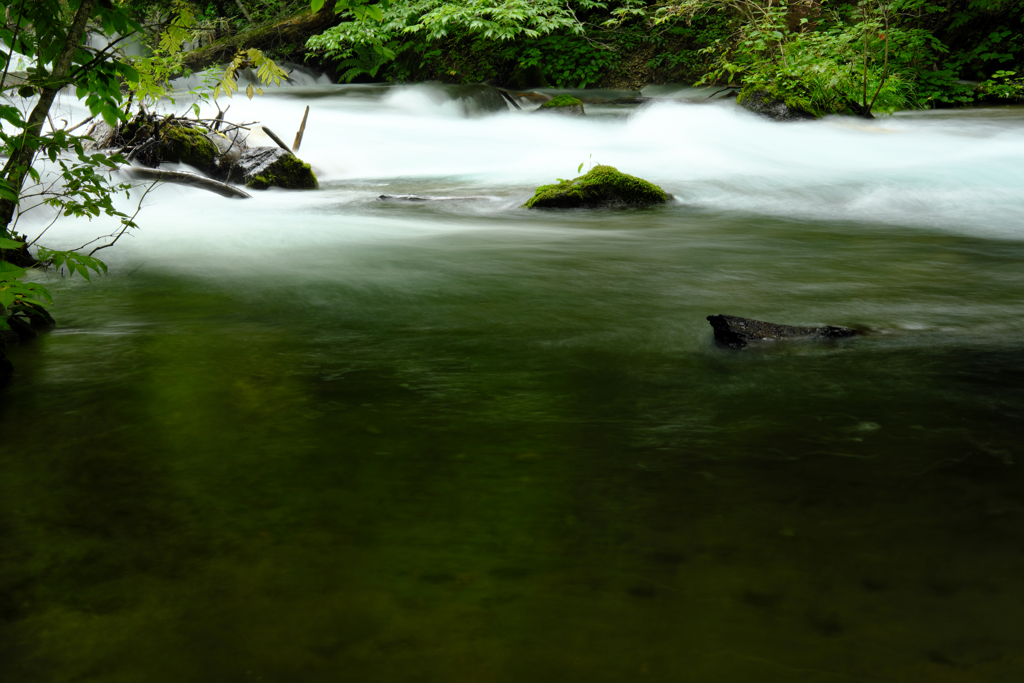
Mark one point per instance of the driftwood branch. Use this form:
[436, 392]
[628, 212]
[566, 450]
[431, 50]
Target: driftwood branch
[279, 141]
[189, 179]
[302, 129]
[79, 125]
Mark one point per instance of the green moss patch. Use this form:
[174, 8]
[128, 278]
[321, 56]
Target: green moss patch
[601, 186]
[563, 104]
[190, 146]
[288, 172]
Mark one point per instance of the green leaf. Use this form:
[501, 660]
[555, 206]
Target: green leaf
[10, 244]
[316, 5]
[9, 271]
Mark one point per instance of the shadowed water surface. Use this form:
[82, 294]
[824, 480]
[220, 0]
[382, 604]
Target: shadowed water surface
[317, 437]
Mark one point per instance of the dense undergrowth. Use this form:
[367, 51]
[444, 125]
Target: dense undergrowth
[825, 56]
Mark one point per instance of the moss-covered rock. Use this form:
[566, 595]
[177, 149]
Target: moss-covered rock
[262, 167]
[772, 105]
[182, 144]
[601, 186]
[563, 104]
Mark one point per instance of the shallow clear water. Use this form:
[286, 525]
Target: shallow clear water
[321, 437]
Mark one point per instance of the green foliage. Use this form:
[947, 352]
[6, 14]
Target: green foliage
[266, 70]
[17, 296]
[74, 261]
[364, 60]
[420, 28]
[857, 57]
[569, 60]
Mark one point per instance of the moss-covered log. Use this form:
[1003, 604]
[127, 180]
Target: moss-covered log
[292, 32]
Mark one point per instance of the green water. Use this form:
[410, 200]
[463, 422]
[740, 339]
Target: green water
[516, 454]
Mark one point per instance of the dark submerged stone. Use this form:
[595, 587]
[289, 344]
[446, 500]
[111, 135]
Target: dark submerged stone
[736, 332]
[763, 103]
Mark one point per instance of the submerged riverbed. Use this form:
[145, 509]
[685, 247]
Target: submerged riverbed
[322, 437]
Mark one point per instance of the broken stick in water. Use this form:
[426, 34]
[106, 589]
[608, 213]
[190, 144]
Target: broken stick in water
[276, 139]
[302, 129]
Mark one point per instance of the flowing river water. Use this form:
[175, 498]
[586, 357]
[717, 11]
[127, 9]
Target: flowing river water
[315, 436]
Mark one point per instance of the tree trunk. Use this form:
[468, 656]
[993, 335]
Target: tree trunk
[21, 158]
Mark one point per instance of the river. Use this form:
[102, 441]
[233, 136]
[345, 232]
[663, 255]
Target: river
[316, 436]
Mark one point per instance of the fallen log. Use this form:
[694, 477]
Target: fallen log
[294, 31]
[190, 179]
[737, 332]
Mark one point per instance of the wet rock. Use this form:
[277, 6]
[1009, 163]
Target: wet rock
[423, 198]
[262, 167]
[600, 187]
[566, 105]
[27, 321]
[763, 103]
[737, 332]
[21, 256]
[187, 145]
[479, 99]
[229, 150]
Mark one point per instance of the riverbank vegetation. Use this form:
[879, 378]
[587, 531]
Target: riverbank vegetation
[823, 56]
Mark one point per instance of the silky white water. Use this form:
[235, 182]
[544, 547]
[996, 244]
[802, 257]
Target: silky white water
[958, 172]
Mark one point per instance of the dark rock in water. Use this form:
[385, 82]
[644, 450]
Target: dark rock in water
[600, 187]
[479, 99]
[187, 145]
[423, 198]
[563, 104]
[738, 332]
[403, 198]
[761, 102]
[27, 321]
[20, 257]
[262, 167]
